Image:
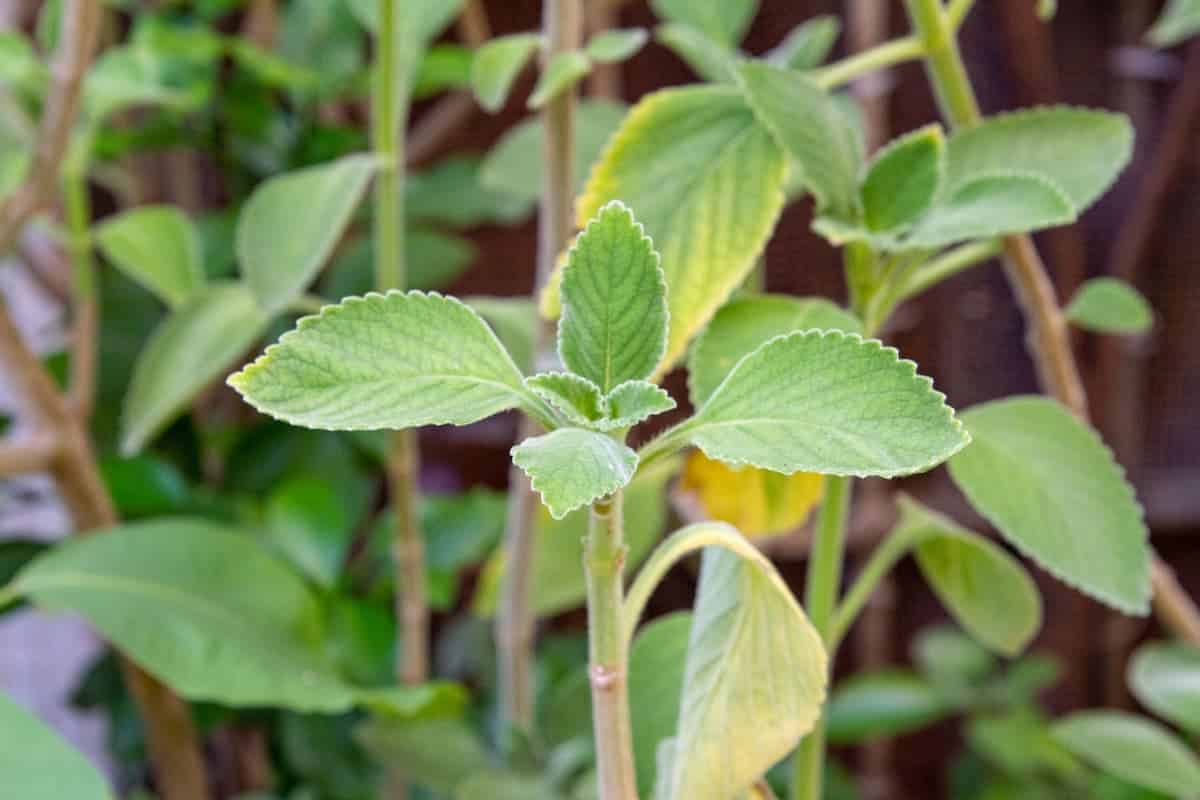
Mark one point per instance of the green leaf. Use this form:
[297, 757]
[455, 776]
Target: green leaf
[634, 401]
[505, 786]
[1134, 749]
[656, 676]
[998, 204]
[435, 259]
[723, 21]
[946, 655]
[810, 125]
[514, 320]
[445, 67]
[437, 753]
[515, 164]
[902, 180]
[577, 398]
[808, 45]
[709, 59]
[881, 705]
[613, 46]
[561, 74]
[572, 467]
[1179, 20]
[1109, 305]
[737, 716]
[157, 246]
[1022, 742]
[986, 590]
[1051, 487]
[291, 224]
[306, 521]
[1078, 150]
[828, 402]
[614, 322]
[707, 135]
[742, 325]
[143, 486]
[188, 350]
[400, 360]
[497, 65]
[452, 193]
[1166, 679]
[37, 764]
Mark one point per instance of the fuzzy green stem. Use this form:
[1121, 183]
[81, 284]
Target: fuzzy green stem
[948, 264]
[604, 563]
[957, 11]
[944, 63]
[821, 592]
[856, 66]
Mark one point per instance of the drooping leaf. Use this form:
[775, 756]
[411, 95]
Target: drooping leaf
[1079, 150]
[1166, 679]
[572, 467]
[497, 65]
[399, 360]
[986, 590]
[709, 59]
[37, 764]
[708, 247]
[902, 180]
[1134, 749]
[808, 45]
[881, 705]
[757, 502]
[1029, 464]
[737, 717]
[742, 325]
[614, 322]
[634, 401]
[292, 222]
[724, 21]
[560, 75]
[157, 246]
[993, 205]
[613, 46]
[577, 398]
[828, 402]
[1179, 20]
[191, 348]
[1108, 305]
[811, 126]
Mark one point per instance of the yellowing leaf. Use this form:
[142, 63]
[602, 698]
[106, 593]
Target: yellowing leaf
[757, 502]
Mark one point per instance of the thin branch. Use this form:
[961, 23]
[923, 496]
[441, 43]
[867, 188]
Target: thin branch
[29, 454]
[605, 81]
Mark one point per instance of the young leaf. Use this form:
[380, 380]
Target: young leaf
[609, 47]
[709, 59]
[757, 502]
[707, 246]
[808, 45]
[1078, 150]
[1166, 679]
[742, 325]
[1134, 749]
[563, 72]
[157, 246]
[1028, 466]
[614, 321]
[1108, 305]
[811, 126]
[400, 360]
[1179, 20]
[634, 401]
[37, 764]
[572, 467]
[723, 21]
[986, 590]
[828, 402]
[577, 398]
[291, 224]
[738, 715]
[189, 349]
[903, 179]
[497, 65]
[881, 705]
[993, 205]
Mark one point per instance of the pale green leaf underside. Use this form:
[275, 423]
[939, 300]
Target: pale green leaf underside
[1079, 150]
[723, 21]
[710, 60]
[156, 246]
[1179, 20]
[706, 182]
[1051, 487]
[1109, 305]
[988, 592]
[902, 181]
[827, 402]
[634, 401]
[37, 764]
[189, 349]
[292, 222]
[394, 361]
[579, 400]
[743, 324]
[497, 65]
[614, 307]
[608, 47]
[808, 45]
[754, 681]
[990, 205]
[1165, 677]
[572, 467]
[561, 74]
[1134, 749]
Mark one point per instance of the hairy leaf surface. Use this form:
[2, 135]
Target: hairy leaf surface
[577, 398]
[572, 467]
[993, 205]
[634, 401]
[157, 246]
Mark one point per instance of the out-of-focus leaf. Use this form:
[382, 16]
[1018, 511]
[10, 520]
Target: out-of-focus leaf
[757, 502]
[881, 705]
[724, 21]
[39, 765]
[1180, 20]
[144, 486]
[808, 45]
[444, 67]
[157, 246]
[438, 753]
[305, 521]
[497, 65]
[616, 45]
[1166, 679]
[709, 59]
[1133, 748]
[560, 75]
[453, 192]
[1108, 305]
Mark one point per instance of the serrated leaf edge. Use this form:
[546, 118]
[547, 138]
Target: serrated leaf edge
[561, 402]
[628, 421]
[559, 512]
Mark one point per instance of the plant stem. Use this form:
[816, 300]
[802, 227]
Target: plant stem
[948, 264]
[84, 307]
[821, 592]
[885, 55]
[604, 561]
[390, 108]
[562, 28]
[886, 555]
